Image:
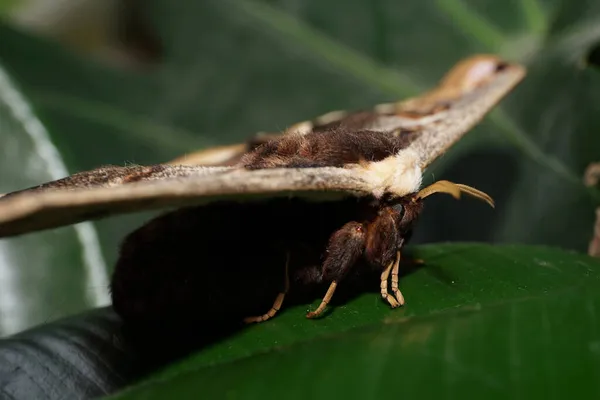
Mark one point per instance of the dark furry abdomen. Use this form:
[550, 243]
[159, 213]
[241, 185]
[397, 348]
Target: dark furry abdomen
[224, 261]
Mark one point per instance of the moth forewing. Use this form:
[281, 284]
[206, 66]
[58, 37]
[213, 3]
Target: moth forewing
[36, 209]
[463, 113]
[402, 172]
[219, 155]
[479, 81]
[114, 176]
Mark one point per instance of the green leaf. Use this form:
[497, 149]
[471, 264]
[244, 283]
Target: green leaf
[479, 320]
[507, 350]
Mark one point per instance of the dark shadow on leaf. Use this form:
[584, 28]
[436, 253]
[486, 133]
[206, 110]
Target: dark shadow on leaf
[441, 274]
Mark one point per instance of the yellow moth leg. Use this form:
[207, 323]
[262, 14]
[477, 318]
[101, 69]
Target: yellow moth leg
[278, 300]
[594, 245]
[384, 286]
[395, 288]
[591, 179]
[324, 302]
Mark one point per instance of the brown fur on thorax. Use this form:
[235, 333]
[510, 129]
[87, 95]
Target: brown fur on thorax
[334, 147]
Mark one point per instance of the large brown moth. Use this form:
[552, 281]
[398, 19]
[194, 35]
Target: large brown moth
[325, 202]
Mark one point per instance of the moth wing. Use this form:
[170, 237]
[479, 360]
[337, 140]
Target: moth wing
[450, 109]
[437, 119]
[70, 200]
[485, 80]
[227, 155]
[110, 175]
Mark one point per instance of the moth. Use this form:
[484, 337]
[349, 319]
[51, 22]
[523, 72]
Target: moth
[325, 202]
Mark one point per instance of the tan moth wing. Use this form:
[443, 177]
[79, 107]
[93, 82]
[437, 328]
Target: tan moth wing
[111, 175]
[133, 189]
[464, 95]
[433, 121]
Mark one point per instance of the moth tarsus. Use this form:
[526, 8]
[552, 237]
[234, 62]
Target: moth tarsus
[392, 270]
[326, 299]
[278, 300]
[252, 234]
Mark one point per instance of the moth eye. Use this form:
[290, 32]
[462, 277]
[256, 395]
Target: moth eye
[359, 228]
[399, 209]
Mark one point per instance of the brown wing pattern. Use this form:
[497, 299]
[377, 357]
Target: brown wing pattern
[461, 87]
[111, 175]
[425, 125]
[34, 210]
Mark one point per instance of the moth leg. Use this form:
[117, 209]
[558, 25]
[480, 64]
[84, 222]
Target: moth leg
[345, 248]
[384, 285]
[324, 302]
[591, 179]
[395, 288]
[278, 300]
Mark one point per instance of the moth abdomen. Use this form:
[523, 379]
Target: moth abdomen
[228, 261]
[224, 261]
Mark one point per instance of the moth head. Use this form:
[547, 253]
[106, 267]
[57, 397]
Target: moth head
[391, 228]
[406, 209]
